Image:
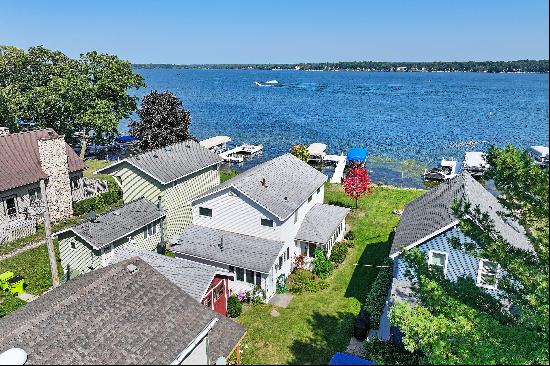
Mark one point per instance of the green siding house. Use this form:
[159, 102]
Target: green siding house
[173, 175]
[91, 244]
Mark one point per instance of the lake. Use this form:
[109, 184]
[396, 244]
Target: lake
[413, 117]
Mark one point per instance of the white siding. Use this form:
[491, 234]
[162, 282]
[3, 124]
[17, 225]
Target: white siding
[198, 355]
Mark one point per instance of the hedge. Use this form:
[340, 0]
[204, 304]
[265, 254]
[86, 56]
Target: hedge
[339, 252]
[234, 307]
[376, 299]
[101, 202]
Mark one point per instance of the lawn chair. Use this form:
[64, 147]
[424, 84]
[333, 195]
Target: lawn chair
[4, 277]
[15, 285]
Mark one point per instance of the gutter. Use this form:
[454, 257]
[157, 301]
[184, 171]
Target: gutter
[194, 343]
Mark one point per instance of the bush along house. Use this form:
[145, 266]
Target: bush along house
[207, 284]
[124, 314]
[256, 223]
[176, 173]
[429, 224]
[26, 159]
[91, 244]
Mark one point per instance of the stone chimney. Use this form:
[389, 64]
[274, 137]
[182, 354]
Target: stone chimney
[54, 162]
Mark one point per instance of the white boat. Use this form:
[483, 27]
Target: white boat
[475, 163]
[250, 149]
[448, 169]
[236, 155]
[267, 83]
[539, 154]
[317, 152]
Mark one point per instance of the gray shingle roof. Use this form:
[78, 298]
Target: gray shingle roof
[112, 316]
[320, 223]
[172, 162]
[192, 277]
[117, 223]
[239, 250]
[433, 211]
[288, 183]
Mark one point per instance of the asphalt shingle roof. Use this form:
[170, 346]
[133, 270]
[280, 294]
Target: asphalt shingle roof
[112, 316]
[222, 246]
[20, 158]
[279, 185]
[433, 211]
[172, 162]
[320, 223]
[117, 223]
[192, 277]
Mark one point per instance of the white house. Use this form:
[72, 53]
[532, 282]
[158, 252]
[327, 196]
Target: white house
[256, 223]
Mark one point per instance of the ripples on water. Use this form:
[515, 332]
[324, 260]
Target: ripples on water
[418, 116]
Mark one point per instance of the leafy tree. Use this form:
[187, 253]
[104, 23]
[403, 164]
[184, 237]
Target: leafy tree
[322, 266]
[300, 151]
[357, 183]
[162, 121]
[48, 89]
[458, 322]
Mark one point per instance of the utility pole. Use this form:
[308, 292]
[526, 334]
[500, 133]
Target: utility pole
[48, 230]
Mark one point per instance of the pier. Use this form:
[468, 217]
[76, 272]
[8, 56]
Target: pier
[340, 161]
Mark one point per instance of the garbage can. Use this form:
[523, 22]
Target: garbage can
[4, 277]
[15, 285]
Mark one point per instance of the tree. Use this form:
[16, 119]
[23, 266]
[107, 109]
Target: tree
[162, 121]
[48, 89]
[357, 183]
[322, 266]
[300, 151]
[457, 322]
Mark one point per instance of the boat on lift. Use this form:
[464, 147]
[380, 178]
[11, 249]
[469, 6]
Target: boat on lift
[475, 163]
[539, 154]
[448, 169]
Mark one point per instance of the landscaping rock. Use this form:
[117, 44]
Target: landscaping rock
[281, 300]
[275, 313]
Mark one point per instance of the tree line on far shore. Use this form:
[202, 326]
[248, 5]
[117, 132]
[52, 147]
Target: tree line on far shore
[535, 66]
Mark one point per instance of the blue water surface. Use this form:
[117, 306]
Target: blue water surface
[396, 116]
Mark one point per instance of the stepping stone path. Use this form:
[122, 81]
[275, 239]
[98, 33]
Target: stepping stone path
[275, 313]
[281, 300]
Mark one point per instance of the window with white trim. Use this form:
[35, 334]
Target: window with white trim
[487, 274]
[267, 222]
[205, 211]
[150, 230]
[438, 259]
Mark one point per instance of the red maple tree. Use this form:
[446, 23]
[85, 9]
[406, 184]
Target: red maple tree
[357, 183]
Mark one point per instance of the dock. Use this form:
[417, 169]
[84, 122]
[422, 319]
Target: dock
[340, 161]
[235, 155]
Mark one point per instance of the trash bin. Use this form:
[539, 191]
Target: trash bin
[4, 277]
[15, 285]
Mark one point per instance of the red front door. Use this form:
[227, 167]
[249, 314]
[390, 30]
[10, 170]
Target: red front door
[220, 298]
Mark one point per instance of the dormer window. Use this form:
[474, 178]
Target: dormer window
[438, 260]
[267, 222]
[487, 274]
[204, 211]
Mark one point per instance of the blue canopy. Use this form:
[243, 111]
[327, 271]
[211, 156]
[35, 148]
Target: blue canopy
[125, 139]
[340, 358]
[357, 154]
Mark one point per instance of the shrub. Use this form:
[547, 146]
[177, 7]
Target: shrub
[339, 252]
[349, 243]
[100, 202]
[361, 325]
[390, 353]
[322, 266]
[302, 280]
[234, 306]
[256, 296]
[300, 261]
[376, 299]
[350, 235]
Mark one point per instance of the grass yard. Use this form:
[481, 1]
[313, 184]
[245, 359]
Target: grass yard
[315, 325]
[93, 165]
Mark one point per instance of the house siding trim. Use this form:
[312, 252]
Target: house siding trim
[426, 238]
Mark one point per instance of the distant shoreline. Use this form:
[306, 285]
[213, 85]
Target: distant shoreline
[511, 67]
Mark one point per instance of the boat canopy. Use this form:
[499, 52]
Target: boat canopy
[125, 139]
[316, 149]
[340, 358]
[541, 151]
[475, 159]
[215, 141]
[357, 154]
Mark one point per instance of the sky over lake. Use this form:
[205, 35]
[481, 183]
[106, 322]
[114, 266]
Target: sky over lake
[251, 31]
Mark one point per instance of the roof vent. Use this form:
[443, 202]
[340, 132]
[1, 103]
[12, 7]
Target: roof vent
[286, 198]
[188, 146]
[155, 155]
[220, 245]
[92, 216]
[131, 268]
[263, 183]
[116, 213]
[13, 356]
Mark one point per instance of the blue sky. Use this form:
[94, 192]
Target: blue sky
[259, 31]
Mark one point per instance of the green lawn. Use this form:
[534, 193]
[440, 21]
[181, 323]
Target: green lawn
[315, 325]
[93, 165]
[227, 174]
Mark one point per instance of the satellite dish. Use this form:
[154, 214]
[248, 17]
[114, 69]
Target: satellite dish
[221, 361]
[92, 216]
[13, 356]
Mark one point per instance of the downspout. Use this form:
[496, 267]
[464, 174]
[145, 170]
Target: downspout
[195, 342]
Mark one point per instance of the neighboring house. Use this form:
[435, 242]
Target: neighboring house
[126, 313]
[176, 173]
[91, 244]
[256, 223]
[428, 223]
[206, 284]
[26, 158]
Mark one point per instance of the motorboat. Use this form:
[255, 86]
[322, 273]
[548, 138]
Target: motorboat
[448, 169]
[267, 83]
[539, 154]
[475, 163]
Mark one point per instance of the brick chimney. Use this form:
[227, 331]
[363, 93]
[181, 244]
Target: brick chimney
[54, 162]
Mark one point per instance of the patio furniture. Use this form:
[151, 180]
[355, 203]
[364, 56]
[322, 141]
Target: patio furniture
[4, 277]
[15, 285]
